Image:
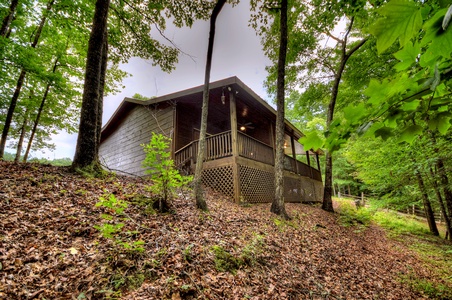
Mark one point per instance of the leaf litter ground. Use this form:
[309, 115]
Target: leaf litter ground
[50, 250]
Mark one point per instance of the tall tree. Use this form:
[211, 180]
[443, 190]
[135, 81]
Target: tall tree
[38, 116]
[86, 149]
[278, 206]
[345, 54]
[200, 201]
[20, 81]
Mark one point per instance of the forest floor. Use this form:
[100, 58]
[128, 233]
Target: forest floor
[49, 248]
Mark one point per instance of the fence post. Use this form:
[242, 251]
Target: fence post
[362, 198]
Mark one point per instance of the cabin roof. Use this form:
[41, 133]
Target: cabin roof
[244, 93]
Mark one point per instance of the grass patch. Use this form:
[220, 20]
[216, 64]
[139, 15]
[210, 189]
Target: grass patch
[433, 290]
[400, 224]
[283, 224]
[225, 261]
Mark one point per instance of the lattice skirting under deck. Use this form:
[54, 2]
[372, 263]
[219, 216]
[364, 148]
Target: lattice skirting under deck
[219, 179]
[257, 186]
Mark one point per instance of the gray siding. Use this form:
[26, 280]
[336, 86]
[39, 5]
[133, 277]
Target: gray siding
[121, 151]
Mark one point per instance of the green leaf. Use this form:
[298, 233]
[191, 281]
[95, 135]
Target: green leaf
[403, 20]
[377, 91]
[407, 56]
[410, 133]
[443, 108]
[441, 122]
[441, 40]
[311, 141]
[444, 124]
[411, 106]
[384, 133]
[353, 113]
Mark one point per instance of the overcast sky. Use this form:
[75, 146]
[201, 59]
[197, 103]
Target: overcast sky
[237, 52]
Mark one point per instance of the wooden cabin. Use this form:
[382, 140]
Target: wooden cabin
[240, 145]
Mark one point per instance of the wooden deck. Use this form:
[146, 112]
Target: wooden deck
[249, 176]
[220, 146]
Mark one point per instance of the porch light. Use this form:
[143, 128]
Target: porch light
[223, 98]
[242, 128]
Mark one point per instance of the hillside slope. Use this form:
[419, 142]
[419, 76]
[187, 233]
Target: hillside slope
[50, 250]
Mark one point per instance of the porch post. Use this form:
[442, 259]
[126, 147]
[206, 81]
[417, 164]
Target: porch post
[318, 162]
[294, 155]
[235, 149]
[309, 164]
[174, 133]
[272, 141]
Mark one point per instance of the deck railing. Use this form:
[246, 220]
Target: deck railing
[220, 145]
[217, 146]
[253, 149]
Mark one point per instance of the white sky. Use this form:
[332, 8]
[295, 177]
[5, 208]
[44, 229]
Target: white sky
[237, 52]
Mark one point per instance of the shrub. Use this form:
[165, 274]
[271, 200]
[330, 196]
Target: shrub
[164, 176]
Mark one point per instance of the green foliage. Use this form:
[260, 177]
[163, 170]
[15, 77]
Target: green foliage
[111, 228]
[420, 87]
[164, 176]
[227, 262]
[252, 250]
[349, 215]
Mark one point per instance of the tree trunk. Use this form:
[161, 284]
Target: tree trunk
[427, 205]
[278, 206]
[327, 203]
[86, 150]
[327, 193]
[441, 205]
[38, 116]
[8, 18]
[327, 200]
[197, 188]
[21, 138]
[447, 192]
[100, 101]
[20, 81]
[9, 114]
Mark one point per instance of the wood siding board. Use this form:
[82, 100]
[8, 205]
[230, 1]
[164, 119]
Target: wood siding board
[121, 150]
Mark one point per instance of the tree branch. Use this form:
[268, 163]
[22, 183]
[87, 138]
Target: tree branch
[333, 37]
[357, 46]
